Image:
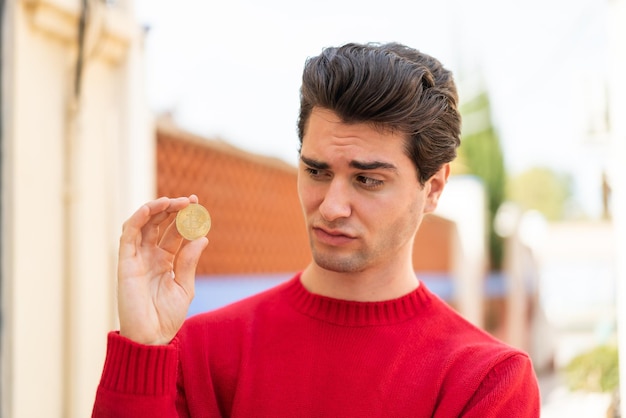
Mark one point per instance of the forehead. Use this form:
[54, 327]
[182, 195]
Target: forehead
[327, 134]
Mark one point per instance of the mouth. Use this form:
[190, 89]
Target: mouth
[332, 237]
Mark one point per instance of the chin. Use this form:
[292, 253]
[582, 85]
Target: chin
[339, 264]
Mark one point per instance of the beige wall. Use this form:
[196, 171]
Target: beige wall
[65, 194]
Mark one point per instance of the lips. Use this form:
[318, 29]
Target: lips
[332, 237]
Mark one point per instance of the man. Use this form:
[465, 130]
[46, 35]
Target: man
[355, 334]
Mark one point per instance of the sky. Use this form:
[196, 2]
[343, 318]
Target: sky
[231, 70]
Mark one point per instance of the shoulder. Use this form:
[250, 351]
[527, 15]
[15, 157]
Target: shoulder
[501, 384]
[467, 348]
[445, 325]
[509, 388]
[493, 375]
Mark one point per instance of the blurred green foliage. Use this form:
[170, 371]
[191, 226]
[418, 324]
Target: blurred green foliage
[480, 154]
[594, 371]
[541, 189]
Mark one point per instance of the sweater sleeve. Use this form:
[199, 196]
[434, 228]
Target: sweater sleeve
[510, 389]
[138, 381]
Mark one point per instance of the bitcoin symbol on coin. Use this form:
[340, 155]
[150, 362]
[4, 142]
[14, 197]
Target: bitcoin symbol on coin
[193, 222]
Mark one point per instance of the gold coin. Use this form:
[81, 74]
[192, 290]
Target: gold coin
[193, 222]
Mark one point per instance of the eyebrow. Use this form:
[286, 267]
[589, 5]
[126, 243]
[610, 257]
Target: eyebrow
[360, 165]
[318, 165]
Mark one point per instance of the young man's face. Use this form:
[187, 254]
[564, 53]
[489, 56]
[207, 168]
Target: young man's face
[360, 194]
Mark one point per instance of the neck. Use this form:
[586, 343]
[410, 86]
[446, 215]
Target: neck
[373, 285]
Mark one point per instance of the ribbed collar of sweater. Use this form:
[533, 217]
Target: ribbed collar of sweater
[357, 314]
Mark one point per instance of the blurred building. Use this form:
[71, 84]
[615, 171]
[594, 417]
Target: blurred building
[617, 169]
[77, 154]
[257, 224]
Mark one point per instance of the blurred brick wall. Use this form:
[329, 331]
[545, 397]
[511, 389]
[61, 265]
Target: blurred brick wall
[257, 223]
[434, 246]
[258, 226]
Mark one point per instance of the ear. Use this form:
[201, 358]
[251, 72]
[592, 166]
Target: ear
[434, 187]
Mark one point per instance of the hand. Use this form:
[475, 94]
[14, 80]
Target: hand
[155, 278]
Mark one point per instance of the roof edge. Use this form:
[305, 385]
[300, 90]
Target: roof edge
[166, 126]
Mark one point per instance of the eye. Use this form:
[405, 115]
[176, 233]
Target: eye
[369, 182]
[315, 173]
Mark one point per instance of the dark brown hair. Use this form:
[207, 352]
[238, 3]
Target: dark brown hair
[393, 87]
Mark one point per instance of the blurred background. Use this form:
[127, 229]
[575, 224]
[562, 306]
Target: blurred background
[107, 104]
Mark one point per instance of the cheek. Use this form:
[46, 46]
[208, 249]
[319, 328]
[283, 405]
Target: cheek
[407, 213]
[306, 194]
[404, 222]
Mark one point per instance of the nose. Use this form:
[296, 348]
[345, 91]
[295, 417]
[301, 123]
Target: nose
[336, 201]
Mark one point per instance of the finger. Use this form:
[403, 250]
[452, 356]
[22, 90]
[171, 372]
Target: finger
[133, 229]
[171, 239]
[131, 232]
[160, 209]
[186, 263]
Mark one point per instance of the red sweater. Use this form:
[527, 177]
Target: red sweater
[289, 353]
